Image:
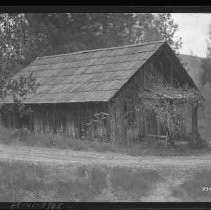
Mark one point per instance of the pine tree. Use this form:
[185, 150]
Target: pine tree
[167, 29]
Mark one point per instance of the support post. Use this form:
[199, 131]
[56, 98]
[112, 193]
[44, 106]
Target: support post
[195, 119]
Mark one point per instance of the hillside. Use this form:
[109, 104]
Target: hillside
[194, 68]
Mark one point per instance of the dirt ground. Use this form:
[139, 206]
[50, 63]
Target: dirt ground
[68, 156]
[175, 169]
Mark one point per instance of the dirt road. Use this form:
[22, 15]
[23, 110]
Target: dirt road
[175, 169]
[67, 156]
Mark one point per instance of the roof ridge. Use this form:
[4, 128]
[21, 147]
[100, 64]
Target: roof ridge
[101, 49]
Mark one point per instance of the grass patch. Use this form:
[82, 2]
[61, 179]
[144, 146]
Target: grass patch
[17, 179]
[192, 189]
[14, 136]
[141, 148]
[133, 183]
[24, 182]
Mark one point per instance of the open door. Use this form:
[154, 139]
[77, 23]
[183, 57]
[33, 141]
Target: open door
[151, 124]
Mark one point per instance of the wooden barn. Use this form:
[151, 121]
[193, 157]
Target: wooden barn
[74, 87]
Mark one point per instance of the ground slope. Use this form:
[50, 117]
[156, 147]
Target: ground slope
[167, 178]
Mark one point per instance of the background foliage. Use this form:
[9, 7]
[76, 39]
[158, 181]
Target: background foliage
[23, 37]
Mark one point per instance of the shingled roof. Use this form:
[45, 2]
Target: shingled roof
[86, 76]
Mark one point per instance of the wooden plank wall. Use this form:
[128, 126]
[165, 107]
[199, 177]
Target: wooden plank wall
[162, 65]
[121, 130]
[71, 119]
[68, 118]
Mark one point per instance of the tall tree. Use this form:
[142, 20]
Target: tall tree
[53, 33]
[206, 63]
[160, 26]
[76, 31]
[167, 29]
[11, 53]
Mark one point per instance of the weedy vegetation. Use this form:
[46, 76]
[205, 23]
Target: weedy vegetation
[147, 146]
[197, 188]
[22, 181]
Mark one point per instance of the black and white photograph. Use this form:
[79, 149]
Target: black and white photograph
[105, 107]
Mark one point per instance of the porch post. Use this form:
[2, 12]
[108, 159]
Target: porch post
[195, 119]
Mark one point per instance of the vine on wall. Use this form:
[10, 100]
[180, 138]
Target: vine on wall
[169, 104]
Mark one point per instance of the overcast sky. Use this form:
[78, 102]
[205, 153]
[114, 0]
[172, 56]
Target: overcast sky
[194, 30]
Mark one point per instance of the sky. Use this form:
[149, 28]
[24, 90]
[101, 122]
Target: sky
[194, 30]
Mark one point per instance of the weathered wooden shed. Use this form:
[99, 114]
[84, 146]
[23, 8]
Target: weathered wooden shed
[75, 86]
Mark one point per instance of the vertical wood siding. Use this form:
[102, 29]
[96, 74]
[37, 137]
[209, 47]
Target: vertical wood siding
[161, 65]
[123, 124]
[68, 118]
